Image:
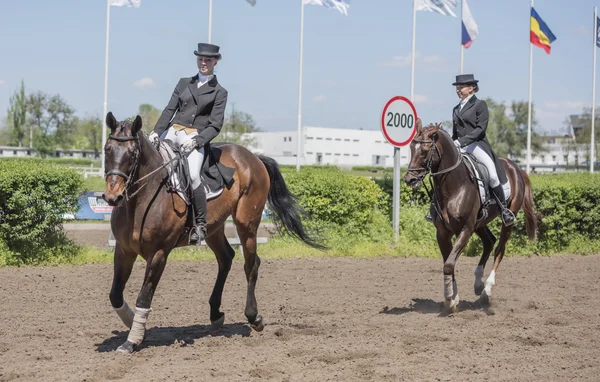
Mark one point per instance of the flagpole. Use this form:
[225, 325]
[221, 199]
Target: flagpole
[209, 20]
[104, 126]
[592, 138]
[462, 48]
[299, 139]
[530, 91]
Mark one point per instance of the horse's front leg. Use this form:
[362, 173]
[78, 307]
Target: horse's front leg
[123, 264]
[450, 287]
[155, 266]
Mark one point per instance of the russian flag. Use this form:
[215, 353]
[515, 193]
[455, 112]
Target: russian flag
[469, 27]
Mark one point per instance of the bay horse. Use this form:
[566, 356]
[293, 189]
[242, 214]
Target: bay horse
[456, 194]
[149, 220]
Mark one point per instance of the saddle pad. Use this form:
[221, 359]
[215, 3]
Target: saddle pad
[481, 186]
[167, 154]
[483, 181]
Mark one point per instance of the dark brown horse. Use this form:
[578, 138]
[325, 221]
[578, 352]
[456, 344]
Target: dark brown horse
[149, 220]
[457, 195]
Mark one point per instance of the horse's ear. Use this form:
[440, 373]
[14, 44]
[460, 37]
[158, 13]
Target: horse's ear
[419, 125]
[137, 125]
[111, 121]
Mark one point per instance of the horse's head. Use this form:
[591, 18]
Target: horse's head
[122, 155]
[424, 153]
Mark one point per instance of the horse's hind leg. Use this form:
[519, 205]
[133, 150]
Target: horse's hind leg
[247, 231]
[123, 264]
[498, 255]
[155, 266]
[224, 254]
[488, 239]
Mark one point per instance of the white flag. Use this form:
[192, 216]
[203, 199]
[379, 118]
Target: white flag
[129, 3]
[252, 2]
[443, 7]
[340, 5]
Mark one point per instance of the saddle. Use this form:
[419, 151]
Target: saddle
[214, 175]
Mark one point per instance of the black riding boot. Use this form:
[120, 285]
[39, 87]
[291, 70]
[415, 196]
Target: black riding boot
[198, 232]
[429, 217]
[508, 218]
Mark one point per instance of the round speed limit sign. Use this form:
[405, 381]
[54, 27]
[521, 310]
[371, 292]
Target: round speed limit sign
[399, 121]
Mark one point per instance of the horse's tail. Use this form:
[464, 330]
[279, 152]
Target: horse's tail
[285, 205]
[531, 216]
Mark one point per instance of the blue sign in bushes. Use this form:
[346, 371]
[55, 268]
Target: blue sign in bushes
[91, 207]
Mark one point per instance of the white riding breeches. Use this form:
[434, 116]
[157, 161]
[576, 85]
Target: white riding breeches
[194, 159]
[479, 153]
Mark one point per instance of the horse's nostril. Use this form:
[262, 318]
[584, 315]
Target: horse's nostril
[104, 197]
[119, 198]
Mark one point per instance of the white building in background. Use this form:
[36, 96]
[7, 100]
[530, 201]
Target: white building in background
[329, 146]
[349, 148]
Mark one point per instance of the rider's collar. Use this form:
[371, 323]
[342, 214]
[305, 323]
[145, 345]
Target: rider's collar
[202, 79]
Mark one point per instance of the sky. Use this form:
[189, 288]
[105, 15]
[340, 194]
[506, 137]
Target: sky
[352, 64]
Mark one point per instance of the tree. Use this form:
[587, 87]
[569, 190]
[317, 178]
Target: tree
[507, 131]
[149, 115]
[89, 133]
[17, 115]
[237, 128]
[53, 120]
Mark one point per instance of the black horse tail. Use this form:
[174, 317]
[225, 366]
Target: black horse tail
[284, 204]
[531, 216]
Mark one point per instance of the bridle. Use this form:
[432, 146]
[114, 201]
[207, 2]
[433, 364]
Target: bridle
[129, 178]
[423, 171]
[136, 163]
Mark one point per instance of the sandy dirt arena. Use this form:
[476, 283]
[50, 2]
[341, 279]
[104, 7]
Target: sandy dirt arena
[331, 319]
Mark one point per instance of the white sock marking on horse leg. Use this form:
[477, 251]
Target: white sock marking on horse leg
[125, 314]
[489, 283]
[138, 329]
[455, 298]
[448, 287]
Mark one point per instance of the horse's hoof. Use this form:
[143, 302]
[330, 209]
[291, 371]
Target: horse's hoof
[484, 299]
[127, 348]
[258, 324]
[218, 323]
[479, 289]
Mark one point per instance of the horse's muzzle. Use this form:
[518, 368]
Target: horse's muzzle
[412, 181]
[112, 198]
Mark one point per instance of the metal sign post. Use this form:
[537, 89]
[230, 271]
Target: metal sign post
[399, 126]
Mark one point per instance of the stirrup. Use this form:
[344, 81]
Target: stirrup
[429, 218]
[197, 234]
[510, 214]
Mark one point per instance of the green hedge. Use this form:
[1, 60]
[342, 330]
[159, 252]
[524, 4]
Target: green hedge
[34, 196]
[348, 208]
[80, 162]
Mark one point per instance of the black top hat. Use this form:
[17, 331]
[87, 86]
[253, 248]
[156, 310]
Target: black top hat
[465, 79]
[208, 50]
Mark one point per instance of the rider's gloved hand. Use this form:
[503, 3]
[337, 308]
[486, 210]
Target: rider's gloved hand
[189, 145]
[154, 139]
[457, 144]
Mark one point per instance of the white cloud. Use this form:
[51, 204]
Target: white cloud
[319, 98]
[432, 63]
[570, 105]
[144, 83]
[2, 83]
[419, 98]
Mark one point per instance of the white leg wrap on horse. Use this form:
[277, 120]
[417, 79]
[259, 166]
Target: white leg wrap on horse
[138, 329]
[125, 314]
[490, 282]
[448, 287]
